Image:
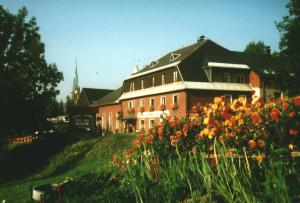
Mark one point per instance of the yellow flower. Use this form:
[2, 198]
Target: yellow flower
[241, 122]
[206, 120]
[217, 100]
[214, 106]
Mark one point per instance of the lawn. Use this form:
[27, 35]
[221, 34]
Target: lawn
[84, 158]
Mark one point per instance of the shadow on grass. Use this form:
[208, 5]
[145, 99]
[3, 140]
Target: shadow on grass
[28, 159]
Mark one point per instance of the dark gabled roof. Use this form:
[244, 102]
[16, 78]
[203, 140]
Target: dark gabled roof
[90, 95]
[165, 60]
[110, 98]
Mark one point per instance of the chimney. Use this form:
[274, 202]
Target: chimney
[201, 38]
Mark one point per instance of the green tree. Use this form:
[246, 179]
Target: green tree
[289, 45]
[258, 48]
[28, 83]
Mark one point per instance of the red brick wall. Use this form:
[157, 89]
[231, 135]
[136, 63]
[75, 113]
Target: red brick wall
[113, 109]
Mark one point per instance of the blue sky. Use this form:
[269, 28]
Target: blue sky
[109, 38]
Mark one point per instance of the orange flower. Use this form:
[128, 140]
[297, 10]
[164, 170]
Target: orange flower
[173, 140]
[138, 143]
[221, 138]
[149, 139]
[178, 134]
[292, 114]
[293, 132]
[256, 118]
[252, 144]
[297, 101]
[260, 158]
[261, 143]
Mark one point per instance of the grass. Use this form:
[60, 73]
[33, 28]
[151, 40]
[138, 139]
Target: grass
[76, 160]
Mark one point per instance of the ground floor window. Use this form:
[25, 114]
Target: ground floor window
[228, 98]
[142, 125]
[151, 123]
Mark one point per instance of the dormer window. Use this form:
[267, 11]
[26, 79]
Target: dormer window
[153, 81]
[174, 56]
[142, 84]
[153, 63]
[226, 77]
[163, 79]
[131, 86]
[241, 78]
[175, 76]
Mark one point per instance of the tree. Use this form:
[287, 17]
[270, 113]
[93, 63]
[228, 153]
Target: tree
[289, 45]
[258, 48]
[27, 82]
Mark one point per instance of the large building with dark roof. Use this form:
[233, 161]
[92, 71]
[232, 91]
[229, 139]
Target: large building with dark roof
[178, 80]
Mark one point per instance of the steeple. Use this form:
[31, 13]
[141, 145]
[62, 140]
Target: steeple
[75, 89]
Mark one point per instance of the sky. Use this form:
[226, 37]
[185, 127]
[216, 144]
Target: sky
[108, 38]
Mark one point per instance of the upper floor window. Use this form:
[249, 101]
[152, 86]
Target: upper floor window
[152, 102]
[175, 76]
[175, 99]
[131, 104]
[163, 81]
[153, 63]
[241, 78]
[142, 103]
[153, 81]
[226, 77]
[131, 86]
[142, 84]
[163, 100]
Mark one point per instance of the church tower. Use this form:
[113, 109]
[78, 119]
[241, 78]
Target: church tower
[75, 89]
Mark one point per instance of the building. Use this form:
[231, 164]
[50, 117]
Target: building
[83, 117]
[178, 80]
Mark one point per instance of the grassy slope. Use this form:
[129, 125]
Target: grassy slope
[75, 160]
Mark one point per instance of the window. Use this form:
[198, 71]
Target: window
[241, 78]
[153, 63]
[151, 123]
[142, 84]
[110, 121]
[175, 99]
[152, 102]
[142, 125]
[175, 76]
[228, 98]
[131, 86]
[103, 121]
[174, 56]
[142, 103]
[153, 81]
[131, 104]
[163, 100]
[163, 79]
[226, 77]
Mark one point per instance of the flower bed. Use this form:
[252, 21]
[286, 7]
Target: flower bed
[247, 136]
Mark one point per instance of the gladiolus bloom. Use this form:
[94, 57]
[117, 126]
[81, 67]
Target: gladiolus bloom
[297, 101]
[261, 143]
[293, 132]
[285, 106]
[252, 144]
[292, 114]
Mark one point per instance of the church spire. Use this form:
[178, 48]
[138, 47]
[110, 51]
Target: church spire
[75, 89]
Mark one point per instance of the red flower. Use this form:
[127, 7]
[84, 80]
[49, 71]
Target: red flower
[275, 114]
[138, 143]
[292, 114]
[293, 132]
[285, 106]
[297, 101]
[255, 118]
[252, 144]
